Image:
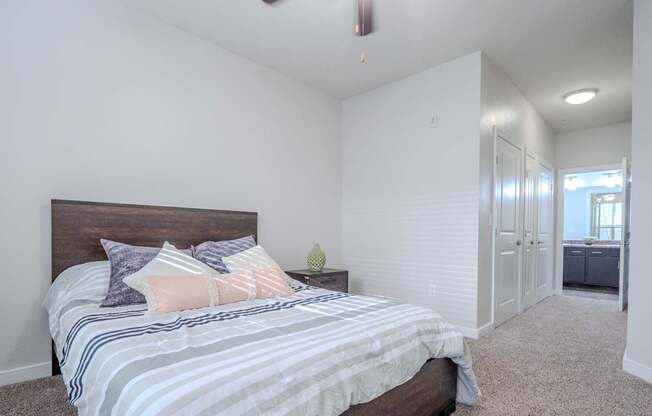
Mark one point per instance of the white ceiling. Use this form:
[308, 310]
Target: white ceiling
[547, 47]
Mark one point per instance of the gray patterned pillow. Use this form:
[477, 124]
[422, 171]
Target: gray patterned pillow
[125, 260]
[211, 252]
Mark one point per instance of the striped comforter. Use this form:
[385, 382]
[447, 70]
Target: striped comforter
[314, 353]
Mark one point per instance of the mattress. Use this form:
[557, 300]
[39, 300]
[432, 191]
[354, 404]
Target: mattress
[316, 352]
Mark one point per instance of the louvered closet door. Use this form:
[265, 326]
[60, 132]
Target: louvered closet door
[507, 264]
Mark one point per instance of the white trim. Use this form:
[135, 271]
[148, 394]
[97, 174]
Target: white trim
[494, 155]
[468, 332]
[485, 330]
[559, 232]
[637, 369]
[593, 168]
[535, 229]
[476, 333]
[29, 372]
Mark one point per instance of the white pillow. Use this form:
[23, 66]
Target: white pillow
[83, 282]
[252, 259]
[168, 262]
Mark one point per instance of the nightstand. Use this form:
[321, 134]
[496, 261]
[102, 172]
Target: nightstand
[331, 279]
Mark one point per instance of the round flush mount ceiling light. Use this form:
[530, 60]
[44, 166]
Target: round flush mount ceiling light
[580, 96]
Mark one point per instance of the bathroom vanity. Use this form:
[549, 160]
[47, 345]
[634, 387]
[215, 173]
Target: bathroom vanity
[593, 265]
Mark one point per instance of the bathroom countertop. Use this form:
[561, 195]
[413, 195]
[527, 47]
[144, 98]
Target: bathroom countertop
[597, 244]
[591, 245]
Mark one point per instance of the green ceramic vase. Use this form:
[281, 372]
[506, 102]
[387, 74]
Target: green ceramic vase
[316, 259]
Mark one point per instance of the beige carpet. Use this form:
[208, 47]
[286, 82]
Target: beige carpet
[591, 294]
[46, 396]
[562, 357]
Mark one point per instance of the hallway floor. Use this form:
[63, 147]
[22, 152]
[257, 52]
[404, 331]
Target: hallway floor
[561, 357]
[591, 294]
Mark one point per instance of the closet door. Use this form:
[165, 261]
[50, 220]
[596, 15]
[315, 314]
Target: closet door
[529, 232]
[545, 233]
[507, 206]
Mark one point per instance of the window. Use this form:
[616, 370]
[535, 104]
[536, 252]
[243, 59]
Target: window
[606, 216]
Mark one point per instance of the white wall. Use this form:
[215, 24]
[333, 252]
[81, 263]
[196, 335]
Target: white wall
[638, 354]
[417, 200]
[100, 103]
[505, 107]
[410, 190]
[592, 147]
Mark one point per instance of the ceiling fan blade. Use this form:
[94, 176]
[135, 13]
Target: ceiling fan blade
[270, 1]
[365, 21]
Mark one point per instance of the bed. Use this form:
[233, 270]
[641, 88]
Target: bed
[316, 352]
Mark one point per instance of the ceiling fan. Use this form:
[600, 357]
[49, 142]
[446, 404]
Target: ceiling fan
[364, 19]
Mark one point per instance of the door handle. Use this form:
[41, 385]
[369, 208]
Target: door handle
[518, 242]
[531, 243]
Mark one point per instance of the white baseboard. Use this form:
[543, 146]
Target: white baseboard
[637, 369]
[30, 372]
[476, 333]
[486, 329]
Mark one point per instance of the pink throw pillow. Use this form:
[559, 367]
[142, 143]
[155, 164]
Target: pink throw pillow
[235, 287]
[178, 293]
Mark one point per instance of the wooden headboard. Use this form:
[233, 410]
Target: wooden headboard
[77, 228]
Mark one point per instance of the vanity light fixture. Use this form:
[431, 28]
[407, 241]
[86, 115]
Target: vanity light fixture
[612, 180]
[570, 183]
[580, 96]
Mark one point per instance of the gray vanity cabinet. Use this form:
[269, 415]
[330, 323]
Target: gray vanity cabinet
[595, 266]
[602, 266]
[574, 265]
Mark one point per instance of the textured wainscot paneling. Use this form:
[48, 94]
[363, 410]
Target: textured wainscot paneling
[420, 250]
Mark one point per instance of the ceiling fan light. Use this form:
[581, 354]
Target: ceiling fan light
[580, 96]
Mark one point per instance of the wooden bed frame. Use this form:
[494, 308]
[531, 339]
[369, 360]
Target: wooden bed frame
[77, 228]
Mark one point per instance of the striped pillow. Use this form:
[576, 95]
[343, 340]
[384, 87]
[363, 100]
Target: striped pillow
[253, 259]
[211, 252]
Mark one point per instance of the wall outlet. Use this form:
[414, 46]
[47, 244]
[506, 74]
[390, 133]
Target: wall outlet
[432, 290]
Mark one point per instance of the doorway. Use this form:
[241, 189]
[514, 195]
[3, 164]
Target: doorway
[594, 232]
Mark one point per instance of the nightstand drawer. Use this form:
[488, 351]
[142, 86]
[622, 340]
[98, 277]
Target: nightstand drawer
[336, 282]
[330, 279]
